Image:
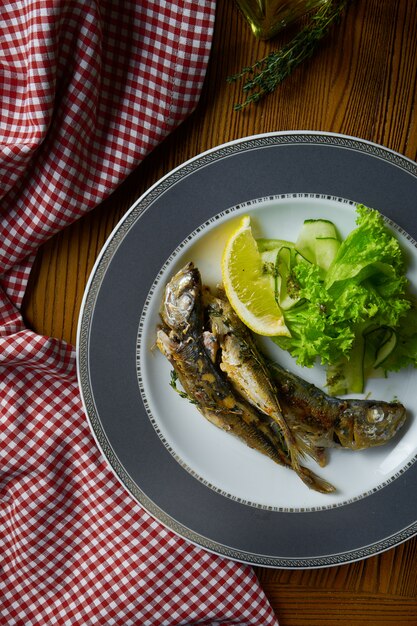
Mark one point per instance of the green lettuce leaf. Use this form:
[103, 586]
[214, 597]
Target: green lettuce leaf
[364, 289]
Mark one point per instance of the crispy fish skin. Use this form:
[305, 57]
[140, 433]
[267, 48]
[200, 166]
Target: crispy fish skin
[241, 359]
[215, 400]
[184, 341]
[246, 368]
[181, 340]
[350, 423]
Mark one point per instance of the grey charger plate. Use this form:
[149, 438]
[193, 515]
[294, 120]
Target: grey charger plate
[138, 425]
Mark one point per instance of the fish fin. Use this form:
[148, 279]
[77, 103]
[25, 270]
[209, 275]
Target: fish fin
[307, 476]
[313, 481]
[321, 456]
[308, 448]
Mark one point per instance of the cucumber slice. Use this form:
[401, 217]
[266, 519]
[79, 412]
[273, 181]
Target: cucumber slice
[326, 250]
[269, 261]
[385, 349]
[318, 242]
[380, 342]
[366, 359]
[278, 264]
[347, 376]
[272, 244]
[285, 264]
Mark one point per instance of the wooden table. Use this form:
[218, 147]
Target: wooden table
[361, 82]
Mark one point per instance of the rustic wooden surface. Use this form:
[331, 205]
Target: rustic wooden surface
[361, 82]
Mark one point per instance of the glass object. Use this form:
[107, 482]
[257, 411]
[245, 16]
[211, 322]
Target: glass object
[268, 17]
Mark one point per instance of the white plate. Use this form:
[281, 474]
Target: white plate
[195, 479]
[224, 463]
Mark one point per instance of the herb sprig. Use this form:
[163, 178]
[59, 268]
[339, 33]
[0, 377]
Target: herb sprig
[267, 73]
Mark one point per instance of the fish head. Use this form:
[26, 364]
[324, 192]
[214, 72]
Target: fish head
[365, 425]
[182, 298]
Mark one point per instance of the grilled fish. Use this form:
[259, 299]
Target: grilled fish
[335, 422]
[181, 339]
[187, 344]
[246, 368]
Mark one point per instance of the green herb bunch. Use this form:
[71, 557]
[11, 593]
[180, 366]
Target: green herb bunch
[266, 74]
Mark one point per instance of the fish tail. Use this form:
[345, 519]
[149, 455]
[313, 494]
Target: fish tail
[296, 451]
[313, 481]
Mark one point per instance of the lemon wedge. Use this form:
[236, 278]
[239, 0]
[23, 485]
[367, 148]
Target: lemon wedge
[247, 287]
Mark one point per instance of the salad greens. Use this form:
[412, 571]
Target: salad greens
[346, 303]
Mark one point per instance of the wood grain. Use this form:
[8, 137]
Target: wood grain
[361, 82]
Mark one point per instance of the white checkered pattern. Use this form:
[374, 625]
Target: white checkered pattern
[87, 89]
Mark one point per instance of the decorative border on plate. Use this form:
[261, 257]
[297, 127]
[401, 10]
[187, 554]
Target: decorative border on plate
[154, 421]
[277, 139]
[87, 309]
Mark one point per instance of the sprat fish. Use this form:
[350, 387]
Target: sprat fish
[246, 368]
[181, 340]
[327, 421]
[190, 348]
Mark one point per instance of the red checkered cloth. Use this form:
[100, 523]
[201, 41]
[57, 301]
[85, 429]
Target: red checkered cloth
[87, 89]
